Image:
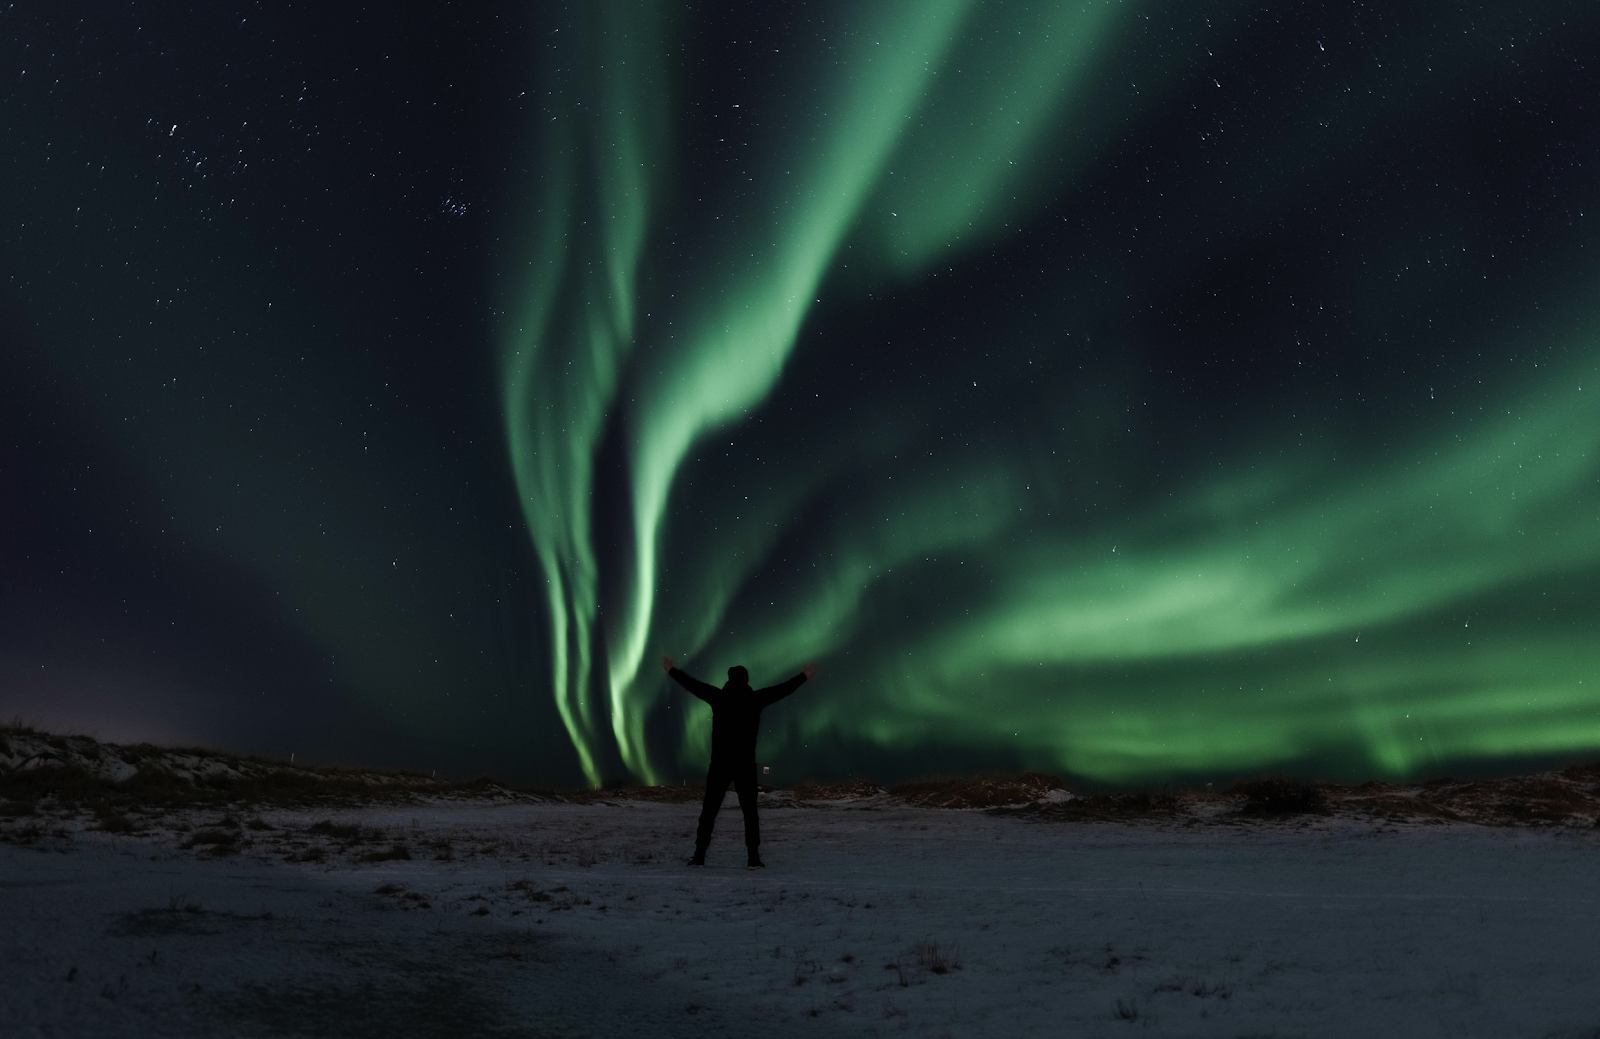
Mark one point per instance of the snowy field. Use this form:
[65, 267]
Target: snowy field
[874, 919]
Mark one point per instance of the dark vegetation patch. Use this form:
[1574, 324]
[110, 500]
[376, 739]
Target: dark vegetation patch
[104, 778]
[25, 835]
[218, 842]
[1138, 804]
[402, 898]
[936, 958]
[18, 808]
[529, 890]
[1543, 800]
[179, 916]
[1567, 798]
[1550, 799]
[1280, 795]
[273, 785]
[977, 792]
[342, 831]
[681, 794]
[113, 821]
[393, 852]
[49, 782]
[850, 790]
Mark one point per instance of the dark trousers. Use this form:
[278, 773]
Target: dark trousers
[743, 777]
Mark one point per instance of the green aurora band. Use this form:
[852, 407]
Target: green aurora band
[1325, 607]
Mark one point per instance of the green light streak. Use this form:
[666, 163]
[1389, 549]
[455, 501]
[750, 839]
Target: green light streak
[977, 146]
[741, 337]
[566, 353]
[1217, 632]
[1453, 521]
[741, 331]
[1310, 602]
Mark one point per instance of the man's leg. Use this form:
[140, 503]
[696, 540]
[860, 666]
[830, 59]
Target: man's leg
[716, 788]
[744, 780]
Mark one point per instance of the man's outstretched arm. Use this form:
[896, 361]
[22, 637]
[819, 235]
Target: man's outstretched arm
[773, 693]
[688, 681]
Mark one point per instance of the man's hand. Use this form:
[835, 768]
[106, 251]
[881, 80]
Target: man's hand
[810, 671]
[667, 664]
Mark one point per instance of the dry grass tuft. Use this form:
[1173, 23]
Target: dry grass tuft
[529, 890]
[329, 828]
[394, 852]
[113, 821]
[937, 959]
[218, 842]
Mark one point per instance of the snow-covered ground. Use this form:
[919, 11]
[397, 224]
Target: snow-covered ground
[873, 918]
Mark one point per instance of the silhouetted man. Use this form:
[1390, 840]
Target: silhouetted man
[735, 720]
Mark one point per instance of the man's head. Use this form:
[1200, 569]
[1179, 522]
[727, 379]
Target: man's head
[737, 675]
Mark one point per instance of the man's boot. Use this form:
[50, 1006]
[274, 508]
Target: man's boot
[699, 855]
[755, 861]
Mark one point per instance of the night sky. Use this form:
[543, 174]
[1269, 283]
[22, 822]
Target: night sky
[1140, 391]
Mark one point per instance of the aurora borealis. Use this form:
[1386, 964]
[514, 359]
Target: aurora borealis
[1136, 391]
